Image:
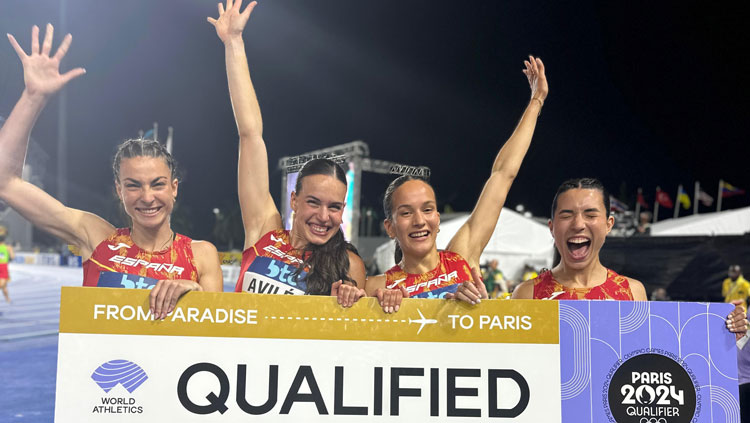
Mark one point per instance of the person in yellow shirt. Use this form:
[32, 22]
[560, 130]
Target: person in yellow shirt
[735, 287]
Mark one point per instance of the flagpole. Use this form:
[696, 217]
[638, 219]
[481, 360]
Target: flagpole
[637, 216]
[677, 202]
[695, 197]
[656, 205]
[718, 196]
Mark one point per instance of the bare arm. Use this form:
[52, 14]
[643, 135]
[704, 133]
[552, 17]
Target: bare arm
[638, 290]
[165, 294]
[259, 212]
[474, 235]
[524, 291]
[42, 80]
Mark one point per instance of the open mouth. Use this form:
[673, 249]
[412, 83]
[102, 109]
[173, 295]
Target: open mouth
[318, 229]
[420, 234]
[579, 247]
[151, 211]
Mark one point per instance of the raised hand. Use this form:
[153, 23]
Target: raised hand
[41, 72]
[231, 21]
[537, 79]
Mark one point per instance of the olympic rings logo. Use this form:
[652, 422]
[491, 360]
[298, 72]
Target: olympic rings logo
[652, 420]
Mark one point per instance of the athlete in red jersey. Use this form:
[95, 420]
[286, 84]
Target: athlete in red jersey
[318, 201]
[119, 263]
[145, 180]
[269, 267]
[451, 271]
[412, 219]
[579, 225]
[615, 287]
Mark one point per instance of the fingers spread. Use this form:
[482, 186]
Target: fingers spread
[19, 51]
[47, 45]
[34, 39]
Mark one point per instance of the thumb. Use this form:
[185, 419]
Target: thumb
[404, 292]
[335, 287]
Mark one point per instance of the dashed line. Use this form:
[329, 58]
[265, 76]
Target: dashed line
[315, 318]
[355, 320]
[307, 318]
[298, 318]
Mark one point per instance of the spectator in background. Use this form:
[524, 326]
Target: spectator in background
[644, 224]
[660, 294]
[735, 287]
[6, 255]
[494, 280]
[529, 272]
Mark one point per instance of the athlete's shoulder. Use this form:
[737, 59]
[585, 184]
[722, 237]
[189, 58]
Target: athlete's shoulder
[524, 290]
[201, 247]
[636, 288]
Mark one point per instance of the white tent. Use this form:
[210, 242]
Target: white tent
[517, 240]
[728, 222]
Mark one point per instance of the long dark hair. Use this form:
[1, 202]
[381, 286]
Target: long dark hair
[388, 205]
[329, 262]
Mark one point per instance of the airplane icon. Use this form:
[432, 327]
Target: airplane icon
[422, 321]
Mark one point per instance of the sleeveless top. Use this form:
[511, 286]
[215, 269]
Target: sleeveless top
[118, 263]
[450, 272]
[4, 256]
[268, 266]
[615, 287]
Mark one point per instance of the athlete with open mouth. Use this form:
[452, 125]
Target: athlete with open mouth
[580, 221]
[148, 254]
[312, 257]
[413, 221]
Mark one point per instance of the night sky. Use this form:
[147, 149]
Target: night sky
[641, 94]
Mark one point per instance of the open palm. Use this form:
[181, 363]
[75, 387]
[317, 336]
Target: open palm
[41, 72]
[231, 21]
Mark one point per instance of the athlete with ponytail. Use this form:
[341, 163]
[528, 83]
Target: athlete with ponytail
[312, 257]
[413, 221]
[146, 255]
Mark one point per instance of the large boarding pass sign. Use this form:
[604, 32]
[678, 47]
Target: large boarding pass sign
[274, 358]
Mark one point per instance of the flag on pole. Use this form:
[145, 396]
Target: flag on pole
[683, 198]
[617, 205]
[704, 198]
[728, 190]
[641, 200]
[663, 199]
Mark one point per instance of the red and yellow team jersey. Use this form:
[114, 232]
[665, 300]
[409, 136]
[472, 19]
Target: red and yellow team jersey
[451, 271]
[268, 267]
[118, 263]
[615, 287]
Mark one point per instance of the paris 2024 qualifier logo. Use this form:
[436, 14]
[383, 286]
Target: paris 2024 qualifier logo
[651, 388]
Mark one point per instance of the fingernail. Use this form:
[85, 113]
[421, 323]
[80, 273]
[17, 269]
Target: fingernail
[479, 300]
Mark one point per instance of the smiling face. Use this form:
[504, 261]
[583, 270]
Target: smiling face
[146, 190]
[318, 209]
[414, 219]
[579, 226]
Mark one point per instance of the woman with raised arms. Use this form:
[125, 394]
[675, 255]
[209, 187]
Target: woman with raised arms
[312, 257]
[146, 255]
[413, 221]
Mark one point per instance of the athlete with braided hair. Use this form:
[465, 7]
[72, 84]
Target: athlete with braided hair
[146, 255]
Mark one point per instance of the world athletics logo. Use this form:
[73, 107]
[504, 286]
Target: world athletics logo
[119, 372]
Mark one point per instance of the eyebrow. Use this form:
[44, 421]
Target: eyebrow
[426, 203]
[312, 197]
